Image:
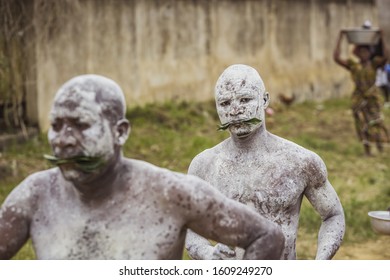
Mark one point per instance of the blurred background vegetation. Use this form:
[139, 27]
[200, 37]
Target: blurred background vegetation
[171, 134]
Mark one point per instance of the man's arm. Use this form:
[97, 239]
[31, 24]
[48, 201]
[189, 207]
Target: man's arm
[198, 247]
[14, 222]
[325, 201]
[219, 218]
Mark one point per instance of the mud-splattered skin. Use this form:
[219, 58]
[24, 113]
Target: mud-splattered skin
[264, 171]
[126, 209]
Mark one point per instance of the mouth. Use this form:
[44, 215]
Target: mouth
[248, 121]
[84, 163]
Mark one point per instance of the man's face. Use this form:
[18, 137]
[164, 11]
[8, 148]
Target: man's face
[236, 101]
[78, 128]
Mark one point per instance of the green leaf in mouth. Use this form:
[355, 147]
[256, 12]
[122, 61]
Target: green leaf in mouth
[249, 121]
[84, 163]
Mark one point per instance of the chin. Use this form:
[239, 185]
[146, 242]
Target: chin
[76, 176]
[241, 130]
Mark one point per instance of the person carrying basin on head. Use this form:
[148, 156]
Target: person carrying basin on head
[366, 97]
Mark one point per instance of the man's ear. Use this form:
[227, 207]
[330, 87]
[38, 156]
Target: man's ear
[266, 99]
[122, 131]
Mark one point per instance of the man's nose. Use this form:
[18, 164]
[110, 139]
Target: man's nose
[65, 137]
[236, 109]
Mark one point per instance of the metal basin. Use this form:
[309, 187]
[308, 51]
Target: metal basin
[362, 36]
[380, 221]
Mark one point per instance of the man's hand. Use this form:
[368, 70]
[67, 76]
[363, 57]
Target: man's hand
[223, 252]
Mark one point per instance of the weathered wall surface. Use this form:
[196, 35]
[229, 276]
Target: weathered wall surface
[384, 18]
[169, 49]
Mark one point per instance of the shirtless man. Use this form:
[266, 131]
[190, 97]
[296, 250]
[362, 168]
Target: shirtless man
[264, 171]
[98, 204]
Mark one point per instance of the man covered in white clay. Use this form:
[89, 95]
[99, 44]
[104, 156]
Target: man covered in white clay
[98, 204]
[264, 171]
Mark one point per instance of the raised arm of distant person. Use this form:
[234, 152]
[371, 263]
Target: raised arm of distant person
[337, 51]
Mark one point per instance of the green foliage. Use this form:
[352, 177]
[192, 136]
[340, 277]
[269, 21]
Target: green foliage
[171, 134]
[227, 125]
[84, 163]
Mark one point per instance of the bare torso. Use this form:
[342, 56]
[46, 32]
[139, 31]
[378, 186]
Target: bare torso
[136, 222]
[272, 180]
[144, 215]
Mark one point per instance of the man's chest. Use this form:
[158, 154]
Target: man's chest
[75, 234]
[271, 187]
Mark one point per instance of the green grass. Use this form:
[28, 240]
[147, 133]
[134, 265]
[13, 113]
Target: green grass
[171, 134]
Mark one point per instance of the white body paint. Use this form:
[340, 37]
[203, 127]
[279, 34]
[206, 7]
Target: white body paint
[125, 209]
[264, 171]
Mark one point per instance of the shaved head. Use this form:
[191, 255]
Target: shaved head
[93, 89]
[239, 76]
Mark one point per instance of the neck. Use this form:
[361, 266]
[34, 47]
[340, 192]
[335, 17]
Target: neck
[102, 185]
[254, 140]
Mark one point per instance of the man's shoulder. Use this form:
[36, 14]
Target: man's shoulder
[39, 178]
[163, 180]
[300, 158]
[292, 150]
[202, 161]
[212, 152]
[148, 171]
[32, 186]
[141, 167]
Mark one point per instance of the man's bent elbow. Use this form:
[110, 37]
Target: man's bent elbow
[268, 247]
[276, 240]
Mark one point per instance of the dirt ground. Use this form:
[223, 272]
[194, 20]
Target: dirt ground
[378, 249]
[375, 249]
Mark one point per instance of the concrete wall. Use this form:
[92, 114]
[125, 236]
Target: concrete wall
[168, 49]
[384, 19]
